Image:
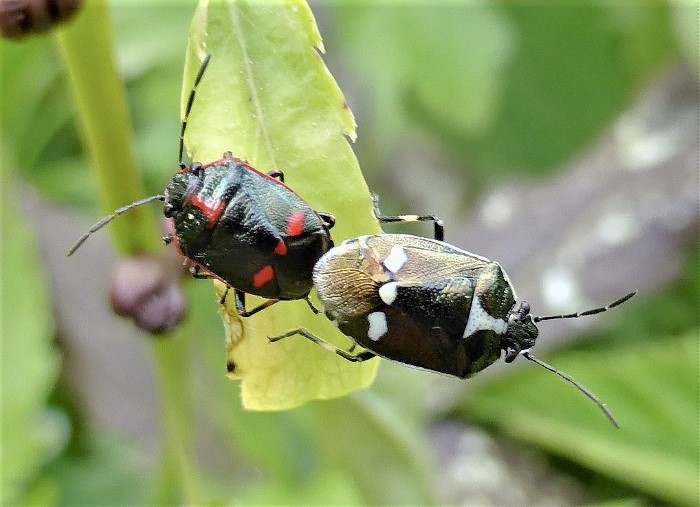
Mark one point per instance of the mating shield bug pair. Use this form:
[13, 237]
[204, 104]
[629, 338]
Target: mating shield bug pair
[239, 225]
[414, 300]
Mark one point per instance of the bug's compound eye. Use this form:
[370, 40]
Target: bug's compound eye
[511, 354]
[196, 168]
[524, 308]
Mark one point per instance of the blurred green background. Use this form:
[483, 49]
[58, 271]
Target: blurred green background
[559, 139]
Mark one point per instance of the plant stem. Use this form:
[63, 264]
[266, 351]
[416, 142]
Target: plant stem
[87, 49]
[179, 480]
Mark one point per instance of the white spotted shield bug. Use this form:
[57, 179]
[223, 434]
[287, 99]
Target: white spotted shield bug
[428, 304]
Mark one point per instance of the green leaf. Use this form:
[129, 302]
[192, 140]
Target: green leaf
[110, 472]
[507, 85]
[651, 388]
[267, 97]
[325, 488]
[685, 18]
[574, 68]
[368, 428]
[29, 362]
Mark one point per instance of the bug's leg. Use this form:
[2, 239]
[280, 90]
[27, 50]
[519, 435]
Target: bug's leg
[222, 301]
[240, 304]
[197, 273]
[188, 108]
[277, 174]
[355, 358]
[328, 219]
[438, 226]
[311, 305]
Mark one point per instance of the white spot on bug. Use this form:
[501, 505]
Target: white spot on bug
[387, 292]
[190, 216]
[480, 320]
[396, 259]
[377, 325]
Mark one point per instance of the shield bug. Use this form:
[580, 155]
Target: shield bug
[428, 304]
[240, 226]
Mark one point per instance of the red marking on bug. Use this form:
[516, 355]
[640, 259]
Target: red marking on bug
[281, 248]
[295, 227]
[263, 277]
[213, 213]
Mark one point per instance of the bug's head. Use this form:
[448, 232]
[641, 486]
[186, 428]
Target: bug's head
[521, 333]
[180, 188]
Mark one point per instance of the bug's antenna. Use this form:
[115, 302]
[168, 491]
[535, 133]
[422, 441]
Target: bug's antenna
[587, 312]
[190, 101]
[99, 225]
[569, 379]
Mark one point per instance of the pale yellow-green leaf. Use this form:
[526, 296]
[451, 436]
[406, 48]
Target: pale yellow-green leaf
[268, 97]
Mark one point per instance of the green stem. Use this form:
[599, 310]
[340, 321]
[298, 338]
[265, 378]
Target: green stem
[179, 480]
[86, 47]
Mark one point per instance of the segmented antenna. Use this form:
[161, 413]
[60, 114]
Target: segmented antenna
[587, 312]
[99, 225]
[188, 109]
[526, 354]
[569, 379]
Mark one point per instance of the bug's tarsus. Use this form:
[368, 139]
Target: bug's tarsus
[438, 226]
[587, 312]
[99, 225]
[188, 109]
[578, 386]
[347, 355]
[222, 301]
[276, 174]
[328, 219]
[240, 304]
[311, 305]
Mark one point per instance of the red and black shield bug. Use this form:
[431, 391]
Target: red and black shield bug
[241, 226]
[428, 304]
